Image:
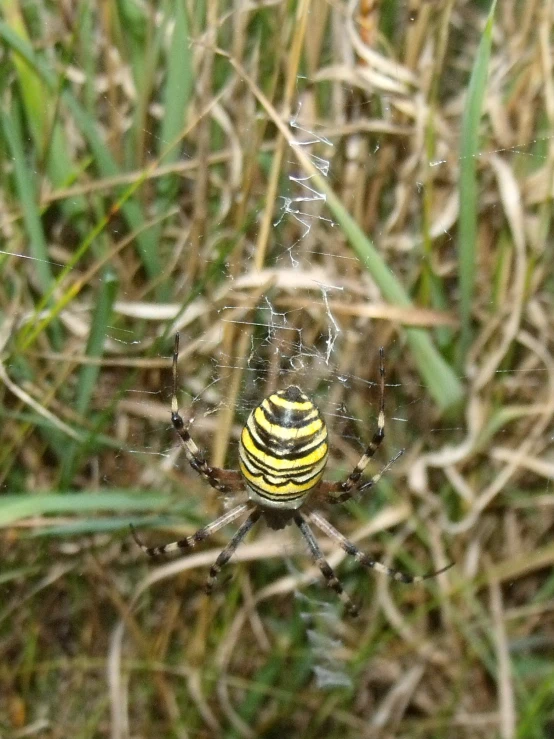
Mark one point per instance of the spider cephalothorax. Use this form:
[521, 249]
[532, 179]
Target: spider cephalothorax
[283, 451]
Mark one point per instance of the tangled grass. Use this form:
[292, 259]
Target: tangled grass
[291, 186]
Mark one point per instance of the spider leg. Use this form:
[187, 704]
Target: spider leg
[230, 549]
[333, 492]
[194, 539]
[345, 487]
[339, 492]
[225, 481]
[365, 559]
[331, 579]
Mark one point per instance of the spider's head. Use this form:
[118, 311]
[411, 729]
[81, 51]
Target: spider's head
[293, 394]
[283, 449]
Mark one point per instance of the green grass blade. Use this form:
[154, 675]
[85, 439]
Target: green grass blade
[178, 88]
[108, 525]
[18, 573]
[146, 244]
[442, 382]
[95, 346]
[88, 374]
[26, 193]
[469, 149]
[536, 713]
[30, 85]
[177, 94]
[97, 337]
[40, 108]
[17, 507]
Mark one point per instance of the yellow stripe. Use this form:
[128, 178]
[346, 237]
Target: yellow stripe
[263, 463]
[276, 442]
[278, 480]
[286, 433]
[273, 491]
[275, 447]
[292, 405]
[277, 463]
[307, 413]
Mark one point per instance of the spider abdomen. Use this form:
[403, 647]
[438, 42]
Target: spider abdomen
[283, 449]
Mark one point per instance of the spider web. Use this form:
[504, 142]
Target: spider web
[297, 334]
[310, 352]
[299, 326]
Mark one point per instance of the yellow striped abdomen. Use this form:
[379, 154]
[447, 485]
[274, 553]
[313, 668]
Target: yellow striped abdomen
[283, 449]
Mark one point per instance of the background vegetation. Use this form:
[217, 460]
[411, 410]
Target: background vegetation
[219, 169]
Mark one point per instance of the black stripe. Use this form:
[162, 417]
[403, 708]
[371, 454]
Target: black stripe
[273, 497]
[302, 452]
[267, 466]
[297, 451]
[279, 408]
[278, 454]
[287, 418]
[269, 438]
[286, 478]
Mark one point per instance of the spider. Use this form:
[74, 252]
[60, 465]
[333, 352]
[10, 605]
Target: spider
[282, 455]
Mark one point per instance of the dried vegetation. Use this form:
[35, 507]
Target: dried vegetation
[219, 169]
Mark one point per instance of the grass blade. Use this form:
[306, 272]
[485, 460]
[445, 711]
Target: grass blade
[442, 382]
[26, 194]
[467, 231]
[17, 507]
[104, 161]
[88, 374]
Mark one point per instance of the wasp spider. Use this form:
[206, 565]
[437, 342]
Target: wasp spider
[283, 450]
